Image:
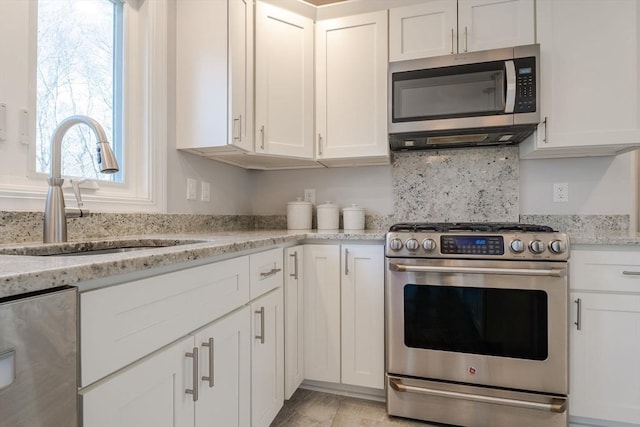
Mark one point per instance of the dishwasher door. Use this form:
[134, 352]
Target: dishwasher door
[38, 370]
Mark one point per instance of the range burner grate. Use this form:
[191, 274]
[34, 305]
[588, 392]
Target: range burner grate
[485, 227]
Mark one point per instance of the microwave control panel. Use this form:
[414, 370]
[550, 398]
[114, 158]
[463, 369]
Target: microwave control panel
[525, 85]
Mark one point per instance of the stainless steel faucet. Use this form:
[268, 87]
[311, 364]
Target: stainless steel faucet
[55, 213]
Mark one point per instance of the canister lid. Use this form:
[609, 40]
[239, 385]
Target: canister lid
[299, 202]
[328, 205]
[353, 208]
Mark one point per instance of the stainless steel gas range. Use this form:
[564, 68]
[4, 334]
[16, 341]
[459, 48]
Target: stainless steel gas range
[477, 324]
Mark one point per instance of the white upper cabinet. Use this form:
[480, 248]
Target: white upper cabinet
[284, 83]
[351, 90]
[443, 27]
[589, 56]
[214, 75]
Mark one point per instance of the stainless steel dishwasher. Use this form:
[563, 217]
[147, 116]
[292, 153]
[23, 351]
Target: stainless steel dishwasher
[38, 370]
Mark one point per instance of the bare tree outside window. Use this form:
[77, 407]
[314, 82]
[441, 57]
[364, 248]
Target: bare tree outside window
[76, 44]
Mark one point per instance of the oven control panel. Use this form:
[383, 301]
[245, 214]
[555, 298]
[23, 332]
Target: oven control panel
[523, 246]
[472, 245]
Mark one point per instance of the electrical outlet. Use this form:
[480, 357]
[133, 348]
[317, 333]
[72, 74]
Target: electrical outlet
[561, 192]
[205, 192]
[310, 195]
[192, 189]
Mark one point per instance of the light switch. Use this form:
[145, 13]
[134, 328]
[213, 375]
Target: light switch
[205, 192]
[192, 189]
[3, 122]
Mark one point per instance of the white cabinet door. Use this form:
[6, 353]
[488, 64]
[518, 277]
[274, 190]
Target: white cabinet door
[443, 27]
[240, 80]
[225, 372]
[589, 56]
[284, 83]
[423, 30]
[363, 315]
[322, 313]
[490, 24]
[267, 358]
[214, 74]
[351, 89]
[150, 393]
[605, 380]
[293, 319]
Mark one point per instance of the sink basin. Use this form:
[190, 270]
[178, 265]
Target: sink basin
[100, 247]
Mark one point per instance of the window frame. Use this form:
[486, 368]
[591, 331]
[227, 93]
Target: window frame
[145, 109]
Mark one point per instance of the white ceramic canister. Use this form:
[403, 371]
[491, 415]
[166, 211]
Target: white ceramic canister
[328, 216]
[353, 218]
[299, 215]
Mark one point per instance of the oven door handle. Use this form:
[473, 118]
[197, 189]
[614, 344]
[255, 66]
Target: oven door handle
[558, 404]
[403, 268]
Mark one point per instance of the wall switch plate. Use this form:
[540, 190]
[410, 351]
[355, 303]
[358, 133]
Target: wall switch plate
[310, 195]
[205, 192]
[3, 122]
[192, 189]
[561, 192]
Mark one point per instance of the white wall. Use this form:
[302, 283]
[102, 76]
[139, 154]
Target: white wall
[597, 185]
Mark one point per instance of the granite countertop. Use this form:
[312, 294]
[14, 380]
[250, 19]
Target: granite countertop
[22, 273]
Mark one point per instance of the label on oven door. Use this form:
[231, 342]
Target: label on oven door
[472, 245]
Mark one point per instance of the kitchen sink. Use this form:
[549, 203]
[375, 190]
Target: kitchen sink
[98, 247]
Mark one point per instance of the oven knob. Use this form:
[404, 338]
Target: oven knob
[412, 245]
[537, 247]
[395, 244]
[428, 244]
[557, 246]
[517, 246]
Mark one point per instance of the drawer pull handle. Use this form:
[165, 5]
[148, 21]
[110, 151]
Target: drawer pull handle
[270, 273]
[209, 378]
[194, 391]
[578, 321]
[261, 336]
[631, 273]
[295, 265]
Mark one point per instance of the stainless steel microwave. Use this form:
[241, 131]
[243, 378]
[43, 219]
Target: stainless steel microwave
[490, 97]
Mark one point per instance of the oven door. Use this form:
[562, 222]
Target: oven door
[492, 323]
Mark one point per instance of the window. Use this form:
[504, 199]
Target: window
[79, 71]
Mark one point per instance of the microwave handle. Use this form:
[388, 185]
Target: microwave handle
[511, 86]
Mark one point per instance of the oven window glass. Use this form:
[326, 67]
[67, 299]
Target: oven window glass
[448, 93]
[494, 322]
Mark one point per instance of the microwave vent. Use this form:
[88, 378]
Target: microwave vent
[457, 139]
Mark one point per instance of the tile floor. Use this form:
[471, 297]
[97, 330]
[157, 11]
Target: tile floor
[308, 408]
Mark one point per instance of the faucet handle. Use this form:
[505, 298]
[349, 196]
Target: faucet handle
[75, 185]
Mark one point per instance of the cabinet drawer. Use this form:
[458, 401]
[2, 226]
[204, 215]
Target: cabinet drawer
[614, 270]
[266, 271]
[120, 324]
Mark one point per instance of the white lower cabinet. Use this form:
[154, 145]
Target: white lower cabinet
[293, 319]
[150, 393]
[267, 358]
[605, 336]
[159, 391]
[344, 314]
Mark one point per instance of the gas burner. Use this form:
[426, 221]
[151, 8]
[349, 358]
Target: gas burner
[484, 227]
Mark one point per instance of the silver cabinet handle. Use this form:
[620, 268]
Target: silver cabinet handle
[546, 135]
[194, 391]
[346, 262]
[466, 43]
[209, 378]
[261, 336]
[295, 265]
[510, 100]
[558, 404]
[631, 273]
[262, 137]
[452, 49]
[578, 321]
[273, 271]
[239, 121]
[320, 144]
[471, 270]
